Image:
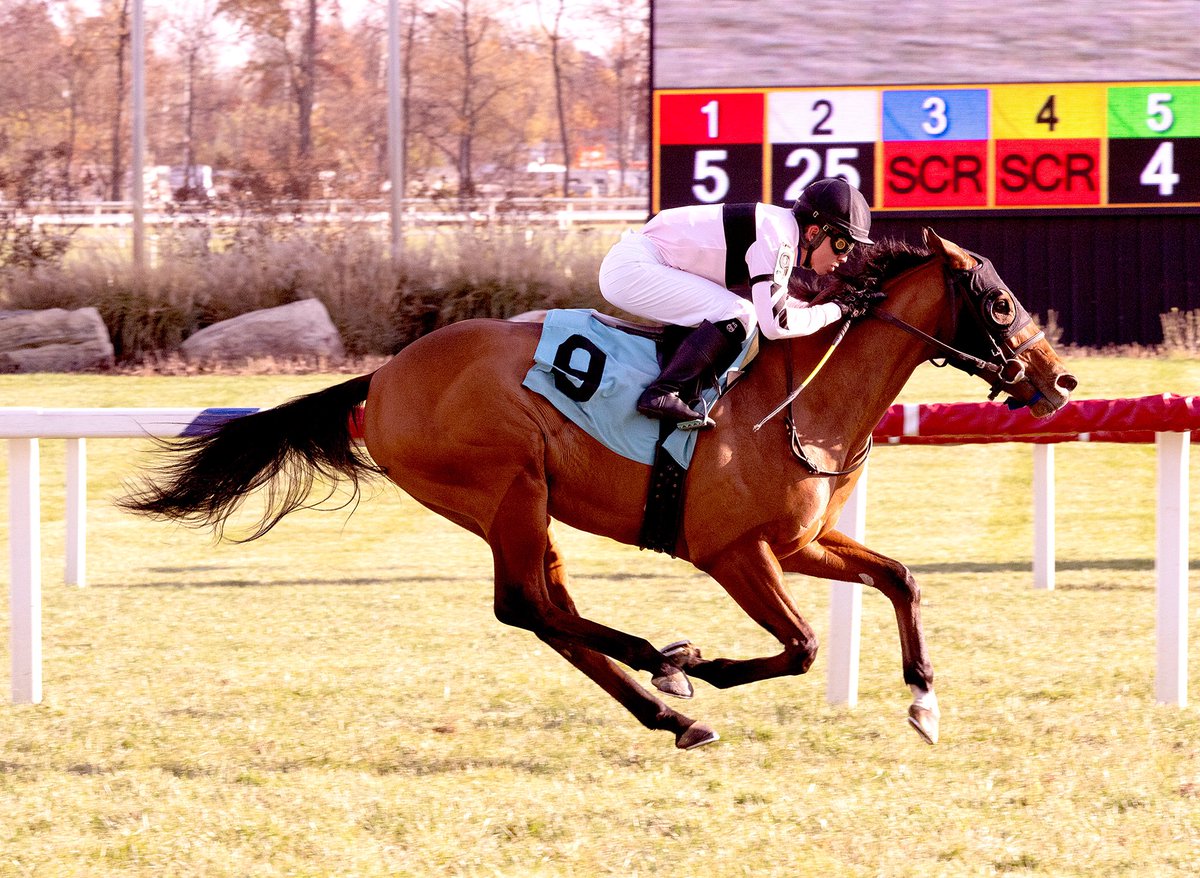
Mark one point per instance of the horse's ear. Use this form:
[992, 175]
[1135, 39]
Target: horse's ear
[948, 250]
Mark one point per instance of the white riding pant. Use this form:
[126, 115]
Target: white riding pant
[634, 277]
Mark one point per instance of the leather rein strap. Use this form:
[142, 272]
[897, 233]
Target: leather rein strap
[953, 356]
[789, 422]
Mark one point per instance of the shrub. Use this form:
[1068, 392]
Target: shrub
[1181, 332]
[203, 273]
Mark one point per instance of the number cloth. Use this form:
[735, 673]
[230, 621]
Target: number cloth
[593, 374]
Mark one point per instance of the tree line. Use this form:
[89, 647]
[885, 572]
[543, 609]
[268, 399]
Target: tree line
[288, 98]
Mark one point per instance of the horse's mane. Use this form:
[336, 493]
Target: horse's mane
[873, 266]
[880, 262]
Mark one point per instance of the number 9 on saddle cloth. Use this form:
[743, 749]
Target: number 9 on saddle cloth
[593, 373]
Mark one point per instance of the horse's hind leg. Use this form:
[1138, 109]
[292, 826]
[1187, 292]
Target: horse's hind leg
[649, 711]
[520, 541]
[836, 556]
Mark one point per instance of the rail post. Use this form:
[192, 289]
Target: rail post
[1171, 568]
[25, 567]
[1043, 517]
[76, 573]
[845, 609]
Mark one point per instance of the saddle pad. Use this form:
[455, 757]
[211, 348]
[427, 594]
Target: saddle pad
[594, 374]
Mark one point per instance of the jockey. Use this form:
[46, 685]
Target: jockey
[681, 266]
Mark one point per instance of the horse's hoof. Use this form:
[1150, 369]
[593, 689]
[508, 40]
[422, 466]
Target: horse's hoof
[675, 683]
[680, 652]
[925, 721]
[696, 735]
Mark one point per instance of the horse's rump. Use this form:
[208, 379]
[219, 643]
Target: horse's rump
[449, 421]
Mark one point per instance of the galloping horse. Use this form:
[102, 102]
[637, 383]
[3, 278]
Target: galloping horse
[447, 419]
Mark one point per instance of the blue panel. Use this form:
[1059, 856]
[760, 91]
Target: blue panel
[935, 114]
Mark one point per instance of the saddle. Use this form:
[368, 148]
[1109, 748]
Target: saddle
[593, 367]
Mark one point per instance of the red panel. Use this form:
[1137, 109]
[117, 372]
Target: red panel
[1037, 172]
[701, 119]
[932, 174]
[1104, 420]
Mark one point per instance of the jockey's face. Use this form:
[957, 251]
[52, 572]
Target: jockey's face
[826, 257]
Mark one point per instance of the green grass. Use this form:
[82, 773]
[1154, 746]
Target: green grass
[337, 699]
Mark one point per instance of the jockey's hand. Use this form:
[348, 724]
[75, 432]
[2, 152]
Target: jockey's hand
[858, 303]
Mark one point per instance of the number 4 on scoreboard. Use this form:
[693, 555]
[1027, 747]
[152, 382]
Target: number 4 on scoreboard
[1160, 170]
[1046, 115]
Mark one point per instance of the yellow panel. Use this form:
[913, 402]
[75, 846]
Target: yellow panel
[1066, 110]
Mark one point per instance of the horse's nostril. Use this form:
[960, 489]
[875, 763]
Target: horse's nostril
[1066, 382]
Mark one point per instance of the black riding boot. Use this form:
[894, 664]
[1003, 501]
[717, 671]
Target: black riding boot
[709, 348]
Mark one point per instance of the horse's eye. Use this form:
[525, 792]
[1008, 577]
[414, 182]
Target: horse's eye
[1000, 307]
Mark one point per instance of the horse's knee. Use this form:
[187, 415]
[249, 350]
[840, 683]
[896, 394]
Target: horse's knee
[900, 586]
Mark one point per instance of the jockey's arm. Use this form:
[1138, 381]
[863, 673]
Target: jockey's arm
[794, 318]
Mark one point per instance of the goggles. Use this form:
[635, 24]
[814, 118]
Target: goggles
[837, 241]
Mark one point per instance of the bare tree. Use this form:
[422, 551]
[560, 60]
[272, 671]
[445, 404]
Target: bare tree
[191, 27]
[627, 22]
[119, 9]
[465, 78]
[287, 31]
[554, 36]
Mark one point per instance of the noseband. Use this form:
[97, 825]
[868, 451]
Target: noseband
[1005, 324]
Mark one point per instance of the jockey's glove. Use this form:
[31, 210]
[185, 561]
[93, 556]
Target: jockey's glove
[858, 303]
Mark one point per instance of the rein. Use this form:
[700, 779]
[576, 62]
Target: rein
[789, 423]
[959, 359]
[998, 371]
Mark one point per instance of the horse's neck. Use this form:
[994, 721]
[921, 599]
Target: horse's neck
[853, 391]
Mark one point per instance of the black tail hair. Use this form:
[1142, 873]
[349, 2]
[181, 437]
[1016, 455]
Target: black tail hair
[283, 449]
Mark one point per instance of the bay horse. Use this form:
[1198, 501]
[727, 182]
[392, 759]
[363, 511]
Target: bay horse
[448, 421]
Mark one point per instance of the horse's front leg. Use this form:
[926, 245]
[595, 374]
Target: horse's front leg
[751, 575]
[836, 556]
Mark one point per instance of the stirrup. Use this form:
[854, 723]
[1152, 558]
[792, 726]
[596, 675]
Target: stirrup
[704, 422]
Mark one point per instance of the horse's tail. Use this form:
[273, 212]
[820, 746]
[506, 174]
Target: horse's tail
[305, 438]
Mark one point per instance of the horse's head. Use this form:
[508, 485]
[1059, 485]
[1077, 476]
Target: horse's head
[1002, 342]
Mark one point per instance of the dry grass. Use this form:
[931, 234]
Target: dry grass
[337, 699]
[199, 275]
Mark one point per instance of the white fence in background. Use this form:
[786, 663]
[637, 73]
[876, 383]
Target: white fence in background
[23, 427]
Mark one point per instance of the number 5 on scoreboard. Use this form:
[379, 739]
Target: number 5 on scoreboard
[712, 180]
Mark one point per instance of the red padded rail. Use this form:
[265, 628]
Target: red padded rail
[1094, 420]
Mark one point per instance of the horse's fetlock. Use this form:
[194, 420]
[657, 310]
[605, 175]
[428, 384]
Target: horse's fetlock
[801, 653]
[517, 614]
[919, 675]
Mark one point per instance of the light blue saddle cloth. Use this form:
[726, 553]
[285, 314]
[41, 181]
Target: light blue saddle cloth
[594, 373]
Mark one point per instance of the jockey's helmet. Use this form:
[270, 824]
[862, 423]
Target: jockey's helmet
[831, 201]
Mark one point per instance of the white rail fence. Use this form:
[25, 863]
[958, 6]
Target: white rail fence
[1165, 420]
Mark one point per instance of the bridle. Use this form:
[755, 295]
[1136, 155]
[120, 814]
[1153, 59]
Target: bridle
[1005, 325]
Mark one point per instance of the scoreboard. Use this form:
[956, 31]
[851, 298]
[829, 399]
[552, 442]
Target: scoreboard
[1000, 147]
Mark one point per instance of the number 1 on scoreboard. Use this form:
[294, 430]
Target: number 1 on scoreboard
[712, 111]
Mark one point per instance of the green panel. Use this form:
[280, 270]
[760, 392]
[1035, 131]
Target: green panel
[1158, 111]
